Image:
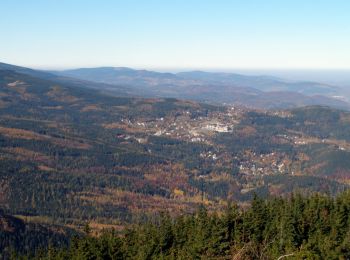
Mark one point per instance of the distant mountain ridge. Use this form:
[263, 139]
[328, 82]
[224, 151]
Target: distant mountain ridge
[113, 75]
[263, 83]
[253, 91]
[265, 92]
[47, 75]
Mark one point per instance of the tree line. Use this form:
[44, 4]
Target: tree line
[297, 227]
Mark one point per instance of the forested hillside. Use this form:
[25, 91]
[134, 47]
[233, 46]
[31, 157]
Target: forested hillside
[18, 236]
[71, 154]
[316, 227]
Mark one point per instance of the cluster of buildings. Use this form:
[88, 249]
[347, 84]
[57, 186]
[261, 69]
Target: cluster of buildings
[186, 127]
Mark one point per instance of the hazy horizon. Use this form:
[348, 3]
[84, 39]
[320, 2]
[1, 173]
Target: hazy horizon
[339, 77]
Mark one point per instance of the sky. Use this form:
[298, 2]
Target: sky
[176, 34]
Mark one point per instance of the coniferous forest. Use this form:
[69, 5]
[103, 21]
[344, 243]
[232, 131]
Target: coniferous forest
[297, 227]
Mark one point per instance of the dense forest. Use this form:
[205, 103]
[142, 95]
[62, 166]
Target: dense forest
[314, 227]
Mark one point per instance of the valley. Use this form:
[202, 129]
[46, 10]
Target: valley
[72, 154]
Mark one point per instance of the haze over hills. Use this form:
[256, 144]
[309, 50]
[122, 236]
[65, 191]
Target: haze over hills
[253, 91]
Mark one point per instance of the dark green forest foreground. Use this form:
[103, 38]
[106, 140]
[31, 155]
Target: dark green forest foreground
[314, 227]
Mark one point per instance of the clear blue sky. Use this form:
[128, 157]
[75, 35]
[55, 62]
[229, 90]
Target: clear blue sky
[176, 33]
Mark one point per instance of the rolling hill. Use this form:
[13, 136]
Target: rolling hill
[72, 154]
[262, 92]
[253, 91]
